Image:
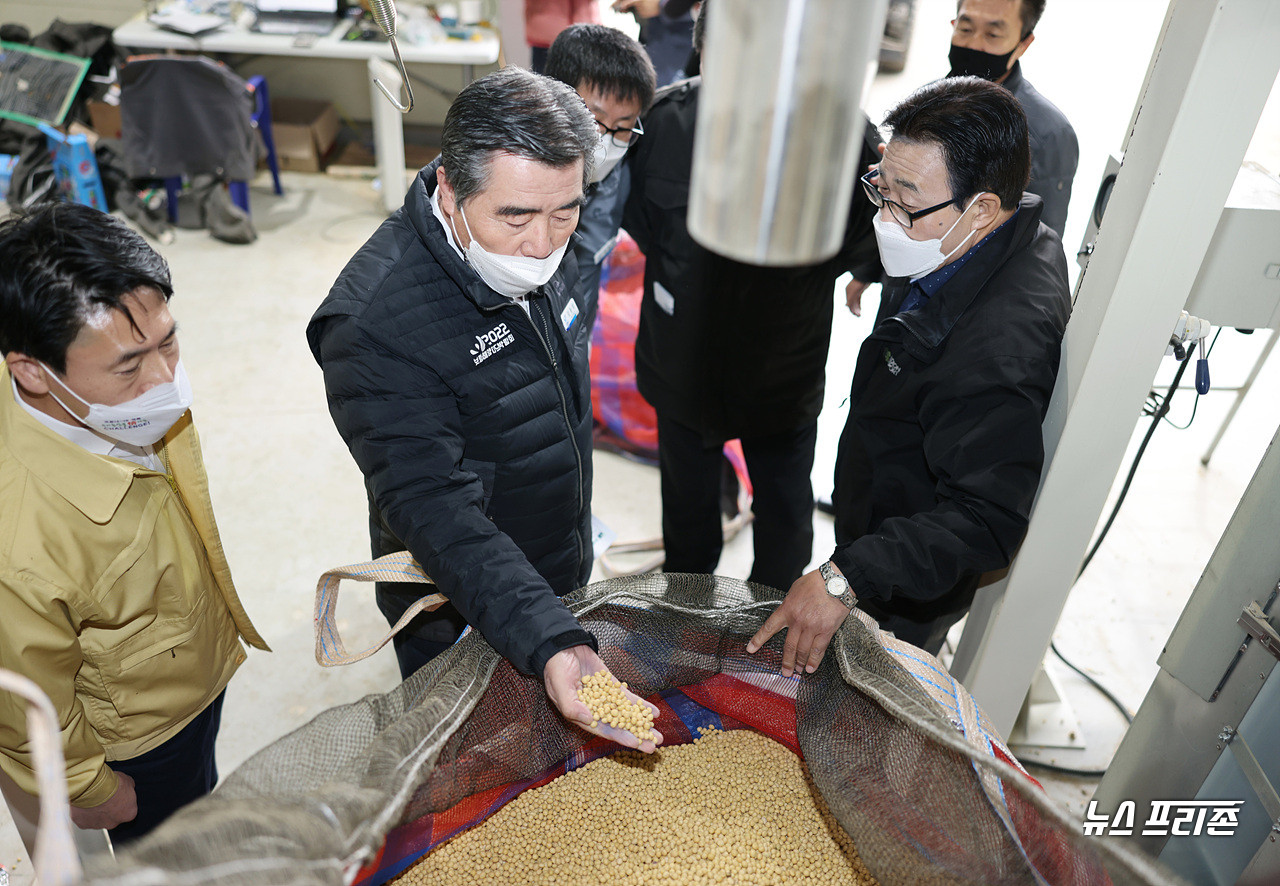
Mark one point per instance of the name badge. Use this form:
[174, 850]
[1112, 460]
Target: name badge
[569, 314]
[603, 252]
[601, 537]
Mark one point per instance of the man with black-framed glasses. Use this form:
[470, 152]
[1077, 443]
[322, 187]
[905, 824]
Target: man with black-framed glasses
[988, 40]
[614, 76]
[942, 451]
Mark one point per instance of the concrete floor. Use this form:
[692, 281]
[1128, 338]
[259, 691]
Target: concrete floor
[290, 501]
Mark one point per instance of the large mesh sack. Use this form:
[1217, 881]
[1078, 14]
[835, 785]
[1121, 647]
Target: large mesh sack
[903, 758]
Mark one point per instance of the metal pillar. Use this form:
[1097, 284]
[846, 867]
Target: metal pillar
[388, 134]
[1209, 79]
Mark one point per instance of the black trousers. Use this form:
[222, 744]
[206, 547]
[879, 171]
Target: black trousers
[171, 776]
[779, 466]
[427, 634]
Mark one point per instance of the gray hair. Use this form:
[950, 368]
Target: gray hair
[516, 112]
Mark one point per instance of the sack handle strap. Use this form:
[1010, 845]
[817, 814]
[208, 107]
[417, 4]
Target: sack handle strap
[400, 566]
[56, 861]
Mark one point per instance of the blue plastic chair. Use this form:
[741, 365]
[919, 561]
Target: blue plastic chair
[239, 190]
[185, 115]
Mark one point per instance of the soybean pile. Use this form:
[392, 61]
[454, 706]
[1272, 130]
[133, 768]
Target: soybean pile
[728, 808]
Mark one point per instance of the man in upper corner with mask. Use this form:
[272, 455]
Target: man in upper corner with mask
[615, 78]
[455, 364]
[942, 450]
[115, 594]
[988, 39]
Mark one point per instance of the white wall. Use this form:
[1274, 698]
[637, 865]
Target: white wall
[37, 15]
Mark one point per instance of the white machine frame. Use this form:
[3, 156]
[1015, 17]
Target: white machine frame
[1211, 72]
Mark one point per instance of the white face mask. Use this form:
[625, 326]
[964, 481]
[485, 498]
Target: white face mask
[903, 257]
[514, 276]
[141, 421]
[607, 156]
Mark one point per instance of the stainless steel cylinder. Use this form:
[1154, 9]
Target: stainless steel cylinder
[780, 127]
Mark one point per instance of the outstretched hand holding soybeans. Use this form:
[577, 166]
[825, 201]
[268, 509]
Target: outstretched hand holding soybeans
[578, 672]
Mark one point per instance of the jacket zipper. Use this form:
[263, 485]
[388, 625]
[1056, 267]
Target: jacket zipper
[564, 408]
[168, 472]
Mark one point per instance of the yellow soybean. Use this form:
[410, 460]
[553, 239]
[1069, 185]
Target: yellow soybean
[603, 696]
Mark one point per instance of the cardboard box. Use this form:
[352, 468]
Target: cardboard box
[305, 131]
[105, 118]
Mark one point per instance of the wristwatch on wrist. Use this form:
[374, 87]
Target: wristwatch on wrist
[837, 584]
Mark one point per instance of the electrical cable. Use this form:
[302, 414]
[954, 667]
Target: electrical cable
[1196, 403]
[1063, 770]
[1119, 705]
[1133, 468]
[1108, 694]
[1194, 406]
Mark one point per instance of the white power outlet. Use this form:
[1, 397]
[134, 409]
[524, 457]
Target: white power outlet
[1187, 329]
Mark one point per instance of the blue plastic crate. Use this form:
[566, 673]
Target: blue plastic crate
[75, 168]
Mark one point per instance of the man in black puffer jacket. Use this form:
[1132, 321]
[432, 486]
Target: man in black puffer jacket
[455, 364]
[942, 451]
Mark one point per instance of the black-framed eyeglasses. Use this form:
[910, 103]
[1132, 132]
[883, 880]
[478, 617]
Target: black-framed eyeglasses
[901, 214]
[622, 135]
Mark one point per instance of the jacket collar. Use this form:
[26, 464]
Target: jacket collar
[1014, 81]
[92, 484]
[930, 326]
[418, 211]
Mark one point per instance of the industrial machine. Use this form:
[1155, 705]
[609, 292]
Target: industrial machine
[1195, 780]
[1187, 228]
[1204, 739]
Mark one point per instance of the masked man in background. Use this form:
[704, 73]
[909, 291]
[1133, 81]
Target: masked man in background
[988, 40]
[615, 78]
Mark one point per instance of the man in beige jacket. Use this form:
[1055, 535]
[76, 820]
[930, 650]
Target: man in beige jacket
[115, 595]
